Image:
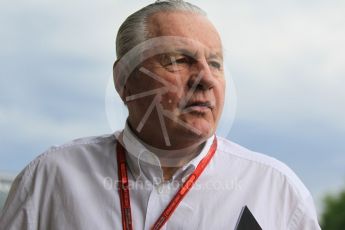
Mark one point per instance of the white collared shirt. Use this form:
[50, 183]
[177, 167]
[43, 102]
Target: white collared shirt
[74, 187]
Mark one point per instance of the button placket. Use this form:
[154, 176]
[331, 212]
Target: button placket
[156, 204]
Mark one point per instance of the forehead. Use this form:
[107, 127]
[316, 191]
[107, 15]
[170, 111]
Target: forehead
[196, 28]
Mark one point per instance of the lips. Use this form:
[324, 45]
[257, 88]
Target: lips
[198, 106]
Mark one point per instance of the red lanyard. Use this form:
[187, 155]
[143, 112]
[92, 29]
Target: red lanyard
[124, 190]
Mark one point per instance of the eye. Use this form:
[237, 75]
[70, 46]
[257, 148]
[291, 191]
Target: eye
[169, 60]
[215, 64]
[182, 60]
[177, 63]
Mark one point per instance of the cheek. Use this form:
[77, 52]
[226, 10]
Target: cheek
[170, 101]
[221, 90]
[220, 97]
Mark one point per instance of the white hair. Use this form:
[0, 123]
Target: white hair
[134, 30]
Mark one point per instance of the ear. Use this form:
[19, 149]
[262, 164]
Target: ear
[119, 83]
[125, 93]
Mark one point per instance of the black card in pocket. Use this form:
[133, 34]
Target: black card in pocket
[247, 221]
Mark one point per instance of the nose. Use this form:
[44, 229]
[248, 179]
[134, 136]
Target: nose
[201, 77]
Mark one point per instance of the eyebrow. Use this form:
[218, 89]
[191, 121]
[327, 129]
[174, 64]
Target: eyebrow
[195, 54]
[216, 55]
[188, 52]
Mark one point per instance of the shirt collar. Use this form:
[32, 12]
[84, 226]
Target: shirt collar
[142, 162]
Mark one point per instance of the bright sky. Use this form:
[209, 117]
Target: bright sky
[286, 59]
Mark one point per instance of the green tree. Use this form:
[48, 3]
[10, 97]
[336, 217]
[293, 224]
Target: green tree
[333, 217]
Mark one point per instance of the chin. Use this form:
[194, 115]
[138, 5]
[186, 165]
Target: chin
[204, 129]
[200, 128]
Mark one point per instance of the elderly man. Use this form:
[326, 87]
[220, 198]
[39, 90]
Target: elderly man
[167, 169]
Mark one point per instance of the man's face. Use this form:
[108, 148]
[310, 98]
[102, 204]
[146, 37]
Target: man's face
[188, 80]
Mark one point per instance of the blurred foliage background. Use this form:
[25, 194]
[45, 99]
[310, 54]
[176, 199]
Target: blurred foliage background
[333, 216]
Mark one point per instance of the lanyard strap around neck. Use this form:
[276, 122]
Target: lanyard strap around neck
[124, 189]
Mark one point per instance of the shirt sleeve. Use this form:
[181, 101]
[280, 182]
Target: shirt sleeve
[304, 216]
[17, 211]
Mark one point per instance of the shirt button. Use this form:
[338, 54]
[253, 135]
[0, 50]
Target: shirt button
[160, 188]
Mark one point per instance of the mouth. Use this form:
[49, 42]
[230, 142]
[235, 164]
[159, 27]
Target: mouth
[198, 106]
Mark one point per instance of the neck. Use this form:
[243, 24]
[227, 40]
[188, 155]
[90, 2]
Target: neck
[168, 172]
[170, 164]
[172, 160]
[176, 156]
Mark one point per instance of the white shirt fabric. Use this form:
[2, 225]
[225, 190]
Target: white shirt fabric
[74, 187]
